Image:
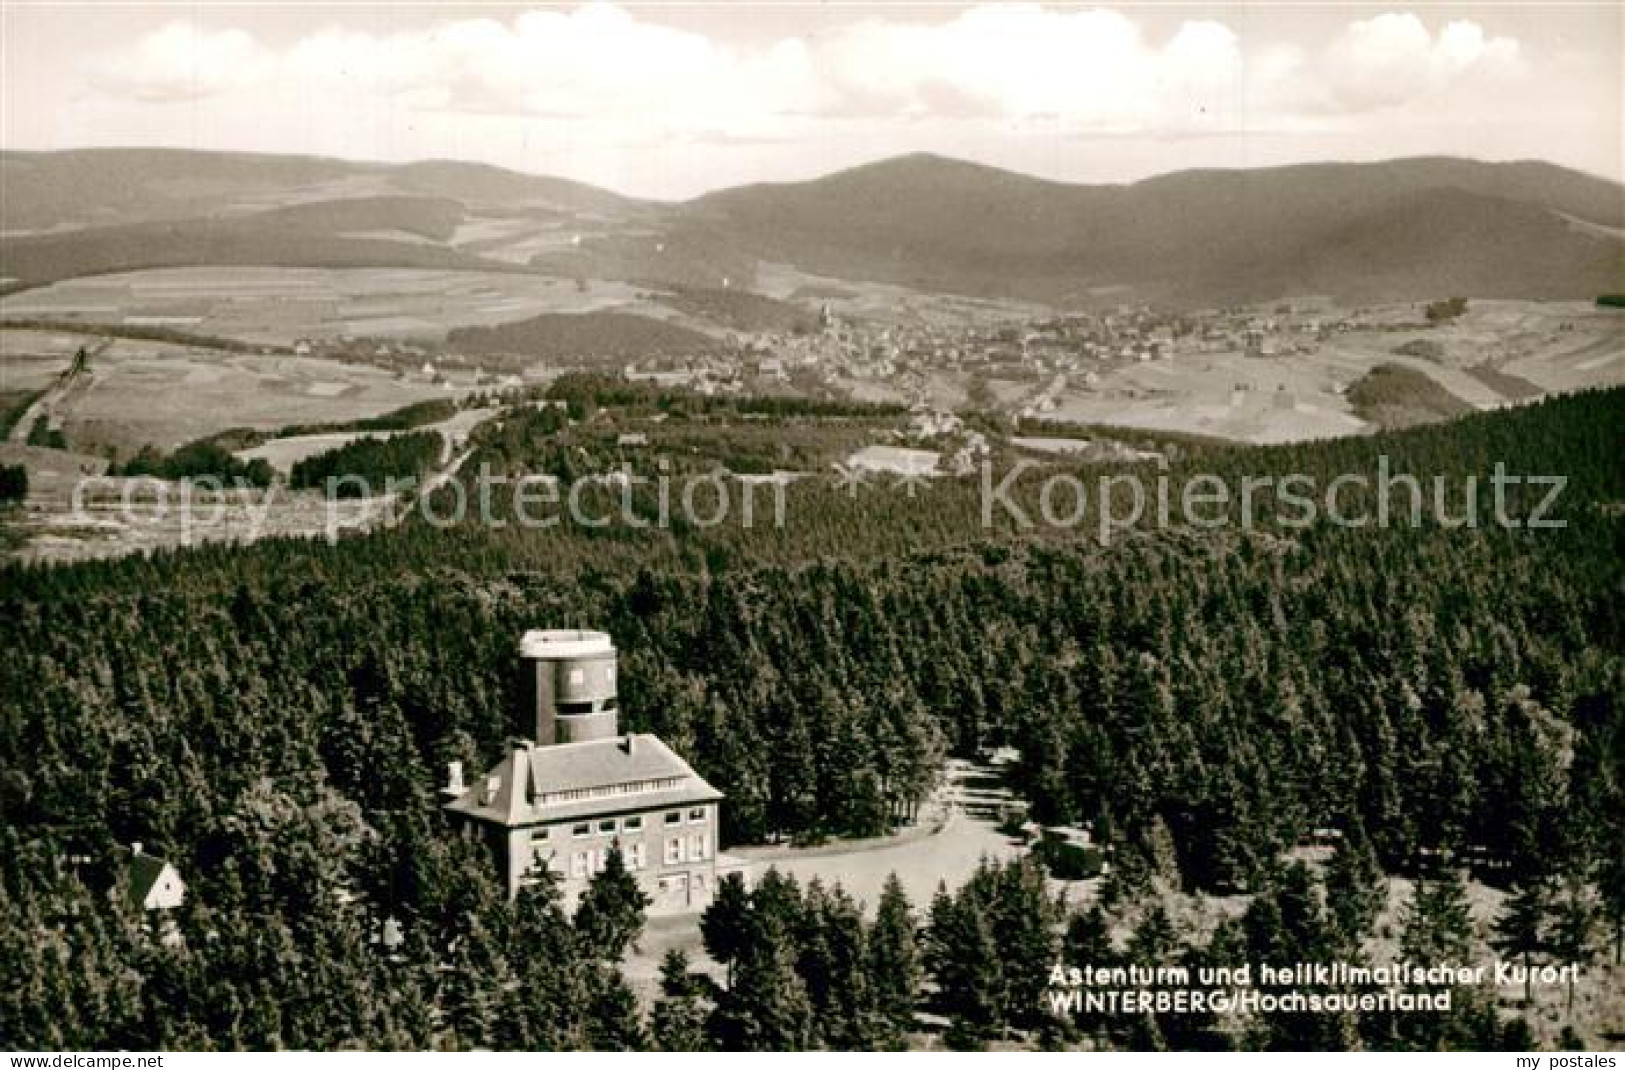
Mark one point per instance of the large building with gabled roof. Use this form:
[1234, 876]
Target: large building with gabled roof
[563, 798]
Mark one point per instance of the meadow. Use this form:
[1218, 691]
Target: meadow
[1499, 353]
[277, 306]
[140, 393]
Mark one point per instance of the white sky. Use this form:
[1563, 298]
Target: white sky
[672, 100]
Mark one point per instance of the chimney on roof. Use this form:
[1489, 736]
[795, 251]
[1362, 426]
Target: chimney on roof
[454, 779]
[135, 848]
[517, 792]
[626, 743]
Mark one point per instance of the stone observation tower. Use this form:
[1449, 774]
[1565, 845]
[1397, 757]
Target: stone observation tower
[562, 801]
[567, 685]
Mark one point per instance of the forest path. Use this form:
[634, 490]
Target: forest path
[46, 403]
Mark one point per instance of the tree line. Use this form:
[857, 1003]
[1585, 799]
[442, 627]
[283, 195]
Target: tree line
[368, 466]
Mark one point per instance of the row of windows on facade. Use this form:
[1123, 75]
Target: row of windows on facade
[695, 848]
[609, 826]
[635, 787]
[493, 788]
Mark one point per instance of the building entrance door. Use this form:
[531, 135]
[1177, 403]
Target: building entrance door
[673, 891]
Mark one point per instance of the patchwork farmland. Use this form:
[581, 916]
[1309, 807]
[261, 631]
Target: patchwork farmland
[276, 306]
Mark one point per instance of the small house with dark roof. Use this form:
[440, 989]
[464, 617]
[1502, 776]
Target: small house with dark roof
[152, 883]
[562, 800]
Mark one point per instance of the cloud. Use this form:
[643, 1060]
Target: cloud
[1088, 68]
[181, 62]
[617, 74]
[1097, 71]
[1391, 59]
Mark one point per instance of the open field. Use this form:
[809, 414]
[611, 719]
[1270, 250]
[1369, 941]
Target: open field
[520, 237]
[943, 390]
[70, 517]
[1598, 360]
[52, 474]
[139, 392]
[118, 516]
[278, 306]
[31, 360]
[1227, 395]
[170, 398]
[283, 453]
[1551, 346]
[1495, 355]
[872, 391]
[885, 302]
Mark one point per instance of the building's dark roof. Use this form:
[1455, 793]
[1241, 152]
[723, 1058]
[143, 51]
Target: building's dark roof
[529, 774]
[145, 871]
[603, 762]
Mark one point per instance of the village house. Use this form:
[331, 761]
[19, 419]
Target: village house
[152, 883]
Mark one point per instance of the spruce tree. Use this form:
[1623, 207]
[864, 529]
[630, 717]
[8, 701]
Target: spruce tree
[613, 1021]
[610, 914]
[678, 1020]
[725, 925]
[1574, 931]
[895, 962]
[971, 977]
[1438, 928]
[1520, 929]
[765, 1007]
[1356, 890]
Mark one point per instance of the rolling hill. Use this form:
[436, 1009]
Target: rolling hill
[1363, 233]
[80, 188]
[318, 234]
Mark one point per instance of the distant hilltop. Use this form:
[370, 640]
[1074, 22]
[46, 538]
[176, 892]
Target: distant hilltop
[1362, 233]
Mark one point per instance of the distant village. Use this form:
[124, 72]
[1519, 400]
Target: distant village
[1075, 348]
[994, 360]
[842, 354]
